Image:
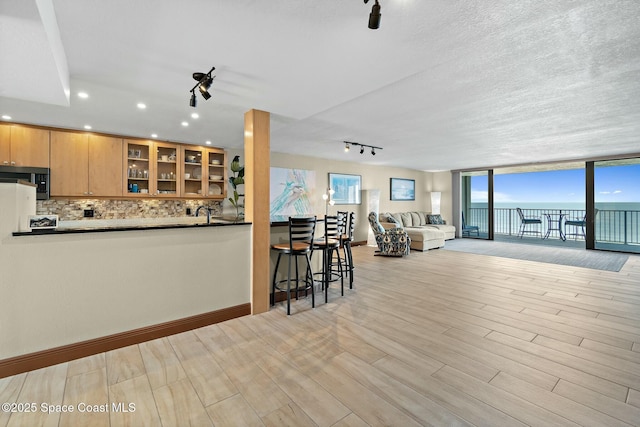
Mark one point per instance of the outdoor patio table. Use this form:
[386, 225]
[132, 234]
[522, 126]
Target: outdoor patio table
[554, 223]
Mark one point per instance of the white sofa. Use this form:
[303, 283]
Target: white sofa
[424, 235]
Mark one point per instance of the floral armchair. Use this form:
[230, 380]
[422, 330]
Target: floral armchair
[392, 242]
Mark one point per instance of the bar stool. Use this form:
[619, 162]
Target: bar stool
[347, 222]
[301, 231]
[329, 244]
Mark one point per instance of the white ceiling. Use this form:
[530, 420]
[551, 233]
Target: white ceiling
[441, 85]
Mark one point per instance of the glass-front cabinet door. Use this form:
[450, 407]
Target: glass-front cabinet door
[137, 167]
[193, 176]
[167, 170]
[216, 173]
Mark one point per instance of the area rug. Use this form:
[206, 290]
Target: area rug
[597, 260]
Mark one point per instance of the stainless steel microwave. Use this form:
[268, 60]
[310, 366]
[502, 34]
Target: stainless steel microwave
[37, 176]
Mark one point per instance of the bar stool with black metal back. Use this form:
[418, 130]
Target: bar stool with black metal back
[346, 237]
[301, 231]
[329, 244]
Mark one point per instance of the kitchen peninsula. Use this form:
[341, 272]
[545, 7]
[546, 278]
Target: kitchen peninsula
[78, 289]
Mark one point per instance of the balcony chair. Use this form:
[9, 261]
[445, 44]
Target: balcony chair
[524, 222]
[468, 229]
[300, 243]
[579, 224]
[391, 242]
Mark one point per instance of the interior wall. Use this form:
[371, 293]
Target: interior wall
[373, 178]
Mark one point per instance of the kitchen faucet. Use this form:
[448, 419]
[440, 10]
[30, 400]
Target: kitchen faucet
[208, 212]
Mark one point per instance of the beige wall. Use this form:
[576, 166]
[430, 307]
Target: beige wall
[373, 177]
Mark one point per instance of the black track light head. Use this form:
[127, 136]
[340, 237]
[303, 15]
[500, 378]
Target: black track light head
[204, 83]
[362, 149]
[374, 16]
[373, 151]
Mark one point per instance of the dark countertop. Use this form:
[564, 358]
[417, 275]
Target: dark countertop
[78, 230]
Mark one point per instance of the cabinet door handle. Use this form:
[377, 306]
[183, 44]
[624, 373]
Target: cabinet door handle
[5, 162]
[13, 163]
[91, 193]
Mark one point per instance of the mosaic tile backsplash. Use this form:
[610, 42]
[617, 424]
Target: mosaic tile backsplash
[73, 209]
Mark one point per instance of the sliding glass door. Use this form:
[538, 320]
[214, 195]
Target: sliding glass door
[476, 191]
[616, 205]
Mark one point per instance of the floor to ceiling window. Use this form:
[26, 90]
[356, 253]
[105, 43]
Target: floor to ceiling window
[616, 195]
[477, 204]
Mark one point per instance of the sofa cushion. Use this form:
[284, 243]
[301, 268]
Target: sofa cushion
[397, 217]
[406, 219]
[435, 219]
[415, 218]
[423, 218]
[392, 220]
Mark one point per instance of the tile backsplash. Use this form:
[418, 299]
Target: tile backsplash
[73, 209]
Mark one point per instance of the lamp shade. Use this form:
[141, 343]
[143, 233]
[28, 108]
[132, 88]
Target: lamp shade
[435, 202]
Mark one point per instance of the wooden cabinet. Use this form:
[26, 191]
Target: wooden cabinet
[85, 165]
[204, 172]
[152, 169]
[24, 146]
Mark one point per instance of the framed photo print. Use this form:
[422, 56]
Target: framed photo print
[40, 222]
[403, 189]
[347, 188]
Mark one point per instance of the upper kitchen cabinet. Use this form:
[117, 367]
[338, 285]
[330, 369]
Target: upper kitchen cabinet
[152, 168]
[24, 146]
[204, 172]
[85, 165]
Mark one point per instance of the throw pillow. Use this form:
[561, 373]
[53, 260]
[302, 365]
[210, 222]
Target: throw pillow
[415, 219]
[406, 219]
[423, 218]
[392, 220]
[435, 219]
[397, 217]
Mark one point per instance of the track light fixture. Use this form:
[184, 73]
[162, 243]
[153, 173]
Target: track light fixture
[374, 16]
[362, 147]
[203, 85]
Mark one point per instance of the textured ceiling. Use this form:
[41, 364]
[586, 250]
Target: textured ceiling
[441, 85]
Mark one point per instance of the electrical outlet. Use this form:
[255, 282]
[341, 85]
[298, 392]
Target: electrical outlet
[188, 211]
[88, 213]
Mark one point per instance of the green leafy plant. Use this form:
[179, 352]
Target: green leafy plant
[236, 179]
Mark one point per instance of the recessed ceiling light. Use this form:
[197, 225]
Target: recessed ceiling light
[208, 142]
[87, 127]
[142, 105]
[83, 95]
[185, 124]
[154, 135]
[6, 117]
[195, 115]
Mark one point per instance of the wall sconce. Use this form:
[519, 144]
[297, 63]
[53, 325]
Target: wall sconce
[327, 199]
[348, 144]
[435, 202]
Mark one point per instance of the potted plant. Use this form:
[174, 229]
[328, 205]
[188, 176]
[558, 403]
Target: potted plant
[236, 179]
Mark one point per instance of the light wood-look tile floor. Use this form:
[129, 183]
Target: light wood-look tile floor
[438, 338]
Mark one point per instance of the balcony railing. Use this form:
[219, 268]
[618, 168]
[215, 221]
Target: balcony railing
[612, 226]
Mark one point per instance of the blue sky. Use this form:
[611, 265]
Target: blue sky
[613, 185]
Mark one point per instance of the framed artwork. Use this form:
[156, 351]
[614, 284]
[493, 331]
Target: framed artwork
[39, 222]
[291, 192]
[348, 188]
[403, 189]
